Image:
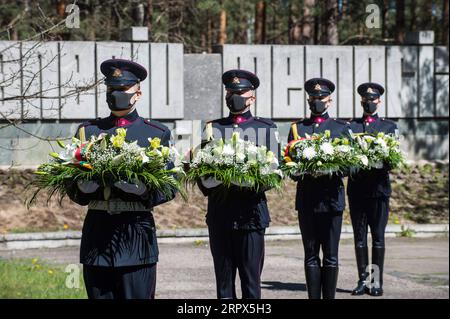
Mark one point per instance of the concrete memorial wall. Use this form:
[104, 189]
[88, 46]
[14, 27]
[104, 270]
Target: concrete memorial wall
[50, 88]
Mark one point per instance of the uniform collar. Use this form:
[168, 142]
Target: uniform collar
[370, 118]
[240, 118]
[319, 118]
[124, 120]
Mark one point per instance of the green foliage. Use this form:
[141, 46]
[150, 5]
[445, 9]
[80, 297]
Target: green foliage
[406, 232]
[107, 159]
[196, 22]
[31, 279]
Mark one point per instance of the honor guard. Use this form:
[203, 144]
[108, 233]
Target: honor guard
[237, 217]
[368, 194]
[119, 250]
[320, 201]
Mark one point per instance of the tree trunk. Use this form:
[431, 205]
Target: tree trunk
[260, 22]
[175, 13]
[240, 31]
[445, 24]
[61, 8]
[222, 38]
[148, 21]
[413, 15]
[329, 23]
[384, 11]
[209, 32]
[295, 29]
[138, 14]
[399, 21]
[308, 22]
[426, 15]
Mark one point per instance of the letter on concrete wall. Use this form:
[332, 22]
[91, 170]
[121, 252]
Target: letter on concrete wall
[441, 81]
[167, 92]
[77, 72]
[334, 63]
[402, 81]
[369, 66]
[288, 94]
[40, 83]
[141, 54]
[256, 59]
[108, 50]
[10, 81]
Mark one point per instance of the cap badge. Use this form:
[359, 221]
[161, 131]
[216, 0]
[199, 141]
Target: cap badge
[117, 73]
[369, 90]
[236, 80]
[317, 87]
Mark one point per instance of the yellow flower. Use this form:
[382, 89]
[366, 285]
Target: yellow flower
[155, 142]
[121, 132]
[117, 140]
[50, 272]
[287, 159]
[37, 266]
[34, 260]
[66, 226]
[165, 151]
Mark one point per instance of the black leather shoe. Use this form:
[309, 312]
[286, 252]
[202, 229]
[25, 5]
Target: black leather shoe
[361, 287]
[313, 281]
[329, 282]
[378, 259]
[376, 292]
[362, 260]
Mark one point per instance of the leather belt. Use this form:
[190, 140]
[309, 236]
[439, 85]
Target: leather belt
[116, 206]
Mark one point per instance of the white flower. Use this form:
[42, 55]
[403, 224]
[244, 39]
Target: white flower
[362, 143]
[327, 148]
[309, 153]
[364, 159]
[381, 142]
[228, 150]
[240, 157]
[69, 153]
[144, 157]
[343, 148]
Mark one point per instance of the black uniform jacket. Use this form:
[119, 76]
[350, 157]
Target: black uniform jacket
[324, 193]
[238, 207]
[128, 238]
[373, 183]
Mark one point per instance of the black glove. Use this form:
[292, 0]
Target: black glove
[75, 194]
[87, 187]
[133, 192]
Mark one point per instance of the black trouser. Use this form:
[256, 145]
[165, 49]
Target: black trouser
[237, 250]
[373, 212]
[131, 282]
[320, 230]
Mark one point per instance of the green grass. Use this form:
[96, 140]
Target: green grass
[31, 279]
